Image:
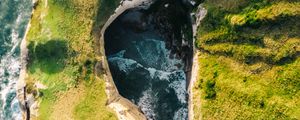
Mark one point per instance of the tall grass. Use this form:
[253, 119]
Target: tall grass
[249, 60]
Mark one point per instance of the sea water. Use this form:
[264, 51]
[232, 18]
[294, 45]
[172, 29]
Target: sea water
[145, 71]
[14, 17]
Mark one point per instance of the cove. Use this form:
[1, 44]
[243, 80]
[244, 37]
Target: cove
[149, 54]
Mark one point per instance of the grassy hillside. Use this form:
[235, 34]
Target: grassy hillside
[62, 55]
[249, 60]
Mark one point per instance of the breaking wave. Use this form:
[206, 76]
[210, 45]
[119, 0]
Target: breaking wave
[14, 17]
[161, 77]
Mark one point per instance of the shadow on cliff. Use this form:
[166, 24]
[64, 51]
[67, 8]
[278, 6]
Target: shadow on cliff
[49, 57]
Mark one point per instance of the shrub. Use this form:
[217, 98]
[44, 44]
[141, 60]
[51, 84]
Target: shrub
[209, 89]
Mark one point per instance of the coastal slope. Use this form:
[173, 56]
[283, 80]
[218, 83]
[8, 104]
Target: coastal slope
[248, 60]
[61, 81]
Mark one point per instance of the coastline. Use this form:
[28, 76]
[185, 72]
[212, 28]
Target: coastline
[28, 104]
[200, 14]
[21, 84]
[114, 99]
[124, 109]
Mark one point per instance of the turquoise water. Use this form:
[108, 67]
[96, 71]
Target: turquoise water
[14, 16]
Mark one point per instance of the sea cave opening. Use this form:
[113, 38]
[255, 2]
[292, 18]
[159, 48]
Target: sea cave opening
[149, 52]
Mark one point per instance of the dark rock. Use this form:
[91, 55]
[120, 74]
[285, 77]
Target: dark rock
[99, 68]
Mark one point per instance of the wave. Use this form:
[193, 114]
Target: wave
[155, 54]
[9, 73]
[147, 102]
[181, 114]
[14, 16]
[155, 59]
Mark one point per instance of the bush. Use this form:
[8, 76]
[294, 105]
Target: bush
[209, 89]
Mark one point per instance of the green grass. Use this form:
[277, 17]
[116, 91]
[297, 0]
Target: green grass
[229, 90]
[268, 13]
[62, 55]
[249, 60]
[93, 107]
[275, 21]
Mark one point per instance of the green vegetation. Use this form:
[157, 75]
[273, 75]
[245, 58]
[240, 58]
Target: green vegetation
[268, 13]
[92, 107]
[249, 60]
[242, 94]
[62, 57]
[106, 8]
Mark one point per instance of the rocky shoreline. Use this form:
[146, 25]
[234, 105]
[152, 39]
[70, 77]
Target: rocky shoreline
[21, 84]
[192, 63]
[199, 15]
[124, 108]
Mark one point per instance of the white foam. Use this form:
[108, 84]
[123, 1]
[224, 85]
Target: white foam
[10, 64]
[124, 64]
[162, 67]
[15, 41]
[16, 109]
[181, 114]
[152, 72]
[147, 103]
[159, 56]
[161, 75]
[179, 87]
[9, 69]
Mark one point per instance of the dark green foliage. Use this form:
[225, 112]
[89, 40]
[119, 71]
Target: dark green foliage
[53, 49]
[240, 32]
[50, 55]
[210, 92]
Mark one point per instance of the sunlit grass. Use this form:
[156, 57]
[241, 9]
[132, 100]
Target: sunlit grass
[268, 13]
[249, 60]
[241, 94]
[62, 57]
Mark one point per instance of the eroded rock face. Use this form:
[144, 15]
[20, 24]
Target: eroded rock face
[172, 19]
[149, 52]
